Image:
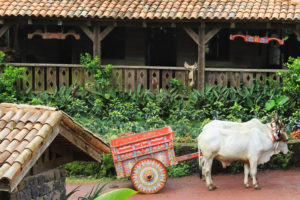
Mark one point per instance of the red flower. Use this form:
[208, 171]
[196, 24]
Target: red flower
[187, 136]
[296, 133]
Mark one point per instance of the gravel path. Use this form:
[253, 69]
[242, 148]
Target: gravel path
[276, 185]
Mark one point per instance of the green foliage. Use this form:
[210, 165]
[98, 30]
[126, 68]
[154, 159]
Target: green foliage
[277, 102]
[107, 168]
[179, 170]
[9, 92]
[177, 86]
[236, 167]
[101, 75]
[150, 110]
[72, 192]
[292, 122]
[93, 193]
[118, 194]
[79, 168]
[93, 169]
[291, 79]
[97, 193]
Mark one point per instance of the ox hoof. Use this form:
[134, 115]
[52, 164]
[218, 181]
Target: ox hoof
[212, 187]
[257, 187]
[247, 186]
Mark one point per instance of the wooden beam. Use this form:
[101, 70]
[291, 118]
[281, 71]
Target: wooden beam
[192, 34]
[96, 42]
[75, 139]
[201, 57]
[87, 31]
[211, 34]
[51, 164]
[4, 29]
[106, 31]
[33, 160]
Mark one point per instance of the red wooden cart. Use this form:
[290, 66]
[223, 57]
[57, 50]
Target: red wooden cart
[144, 158]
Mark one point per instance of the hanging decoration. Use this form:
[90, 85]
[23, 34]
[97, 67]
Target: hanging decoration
[47, 35]
[256, 39]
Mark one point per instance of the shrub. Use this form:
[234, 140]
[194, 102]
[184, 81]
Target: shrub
[9, 92]
[291, 79]
[179, 170]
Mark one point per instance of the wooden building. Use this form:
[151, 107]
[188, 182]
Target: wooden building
[148, 41]
[34, 140]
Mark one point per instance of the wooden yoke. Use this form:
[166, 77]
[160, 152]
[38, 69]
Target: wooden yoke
[97, 36]
[201, 39]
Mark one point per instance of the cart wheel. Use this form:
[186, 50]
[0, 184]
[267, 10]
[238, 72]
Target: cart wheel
[149, 175]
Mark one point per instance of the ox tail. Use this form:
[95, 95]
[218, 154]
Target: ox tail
[200, 160]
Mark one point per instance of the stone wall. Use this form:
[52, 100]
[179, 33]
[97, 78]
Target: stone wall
[49, 185]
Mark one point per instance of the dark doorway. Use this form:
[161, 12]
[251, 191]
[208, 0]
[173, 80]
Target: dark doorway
[161, 47]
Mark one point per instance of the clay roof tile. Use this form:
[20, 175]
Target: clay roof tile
[12, 171]
[4, 133]
[8, 116]
[3, 145]
[26, 116]
[4, 156]
[12, 158]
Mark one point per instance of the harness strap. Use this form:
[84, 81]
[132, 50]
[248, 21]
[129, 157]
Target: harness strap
[273, 136]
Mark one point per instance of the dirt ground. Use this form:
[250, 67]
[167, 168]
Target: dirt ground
[276, 185]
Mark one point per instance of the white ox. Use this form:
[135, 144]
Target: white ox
[251, 142]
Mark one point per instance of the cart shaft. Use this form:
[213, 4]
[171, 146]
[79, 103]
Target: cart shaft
[187, 157]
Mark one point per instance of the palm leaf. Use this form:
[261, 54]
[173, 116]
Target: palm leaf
[72, 192]
[119, 194]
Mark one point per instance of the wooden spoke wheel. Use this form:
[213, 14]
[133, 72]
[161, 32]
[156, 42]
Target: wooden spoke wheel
[149, 175]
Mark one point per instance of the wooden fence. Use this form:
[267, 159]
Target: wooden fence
[234, 77]
[41, 77]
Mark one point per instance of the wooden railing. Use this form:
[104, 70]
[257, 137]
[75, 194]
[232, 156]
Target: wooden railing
[43, 77]
[234, 77]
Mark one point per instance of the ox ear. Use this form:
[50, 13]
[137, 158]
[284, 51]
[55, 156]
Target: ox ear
[186, 65]
[276, 116]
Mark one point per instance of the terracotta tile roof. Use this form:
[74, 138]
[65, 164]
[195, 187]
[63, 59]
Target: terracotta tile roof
[155, 9]
[23, 131]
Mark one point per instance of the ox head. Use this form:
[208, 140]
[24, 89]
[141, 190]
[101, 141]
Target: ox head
[280, 134]
[191, 69]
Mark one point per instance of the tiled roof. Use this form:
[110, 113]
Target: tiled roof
[155, 9]
[23, 131]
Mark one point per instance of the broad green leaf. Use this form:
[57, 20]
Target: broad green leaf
[119, 194]
[107, 96]
[270, 104]
[282, 100]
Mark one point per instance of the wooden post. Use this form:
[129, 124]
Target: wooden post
[97, 36]
[201, 57]
[201, 39]
[96, 42]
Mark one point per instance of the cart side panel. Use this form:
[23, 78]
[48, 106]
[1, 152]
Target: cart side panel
[123, 168]
[140, 136]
